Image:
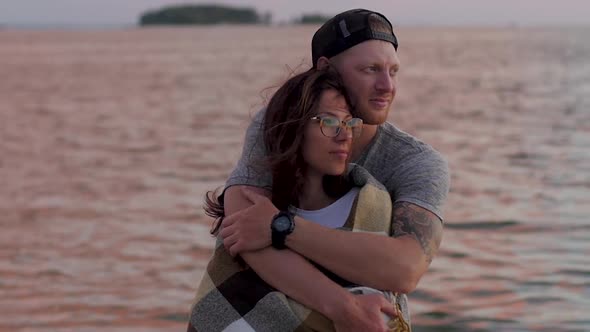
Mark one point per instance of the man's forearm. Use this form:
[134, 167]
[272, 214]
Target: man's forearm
[378, 261]
[294, 276]
[368, 259]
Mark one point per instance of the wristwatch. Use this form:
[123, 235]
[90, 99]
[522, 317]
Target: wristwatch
[282, 224]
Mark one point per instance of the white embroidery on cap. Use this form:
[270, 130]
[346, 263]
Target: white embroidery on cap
[343, 28]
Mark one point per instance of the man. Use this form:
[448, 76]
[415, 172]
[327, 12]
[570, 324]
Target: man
[362, 47]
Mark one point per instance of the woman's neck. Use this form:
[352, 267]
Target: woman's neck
[313, 196]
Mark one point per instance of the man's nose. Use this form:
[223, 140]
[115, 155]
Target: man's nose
[384, 82]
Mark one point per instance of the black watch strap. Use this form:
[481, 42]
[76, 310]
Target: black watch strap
[282, 224]
[278, 240]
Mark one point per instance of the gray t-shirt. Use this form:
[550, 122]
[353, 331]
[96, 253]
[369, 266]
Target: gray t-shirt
[411, 170]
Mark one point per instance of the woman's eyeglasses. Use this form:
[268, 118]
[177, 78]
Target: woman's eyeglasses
[331, 126]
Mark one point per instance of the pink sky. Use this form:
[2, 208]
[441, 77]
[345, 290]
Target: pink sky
[401, 12]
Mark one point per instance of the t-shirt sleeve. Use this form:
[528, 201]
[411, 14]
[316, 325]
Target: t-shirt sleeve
[423, 180]
[250, 169]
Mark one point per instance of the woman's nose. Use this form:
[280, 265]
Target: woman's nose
[344, 134]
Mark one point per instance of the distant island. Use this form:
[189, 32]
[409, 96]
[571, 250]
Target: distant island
[216, 14]
[312, 19]
[203, 15]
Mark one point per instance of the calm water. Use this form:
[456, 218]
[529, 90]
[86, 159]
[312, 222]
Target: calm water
[108, 141]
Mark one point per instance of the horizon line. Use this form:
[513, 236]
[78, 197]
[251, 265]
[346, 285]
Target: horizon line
[110, 26]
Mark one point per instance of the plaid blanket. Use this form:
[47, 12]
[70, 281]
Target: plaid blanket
[231, 296]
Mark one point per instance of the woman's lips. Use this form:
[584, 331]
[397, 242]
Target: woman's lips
[341, 154]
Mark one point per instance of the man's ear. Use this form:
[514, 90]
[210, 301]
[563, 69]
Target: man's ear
[323, 63]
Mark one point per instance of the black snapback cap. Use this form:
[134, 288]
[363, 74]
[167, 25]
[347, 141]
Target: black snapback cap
[346, 30]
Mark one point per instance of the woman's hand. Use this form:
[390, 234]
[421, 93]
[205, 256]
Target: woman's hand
[249, 229]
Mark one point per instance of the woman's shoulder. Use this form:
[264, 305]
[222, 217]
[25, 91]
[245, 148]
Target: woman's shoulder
[361, 177]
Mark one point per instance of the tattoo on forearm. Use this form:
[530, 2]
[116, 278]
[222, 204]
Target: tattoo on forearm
[424, 226]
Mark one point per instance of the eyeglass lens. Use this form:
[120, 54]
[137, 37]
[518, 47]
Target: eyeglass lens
[331, 126]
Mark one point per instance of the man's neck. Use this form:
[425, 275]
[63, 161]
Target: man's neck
[360, 143]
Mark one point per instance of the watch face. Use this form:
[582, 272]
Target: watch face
[282, 224]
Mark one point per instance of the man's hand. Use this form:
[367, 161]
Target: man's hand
[249, 229]
[365, 313]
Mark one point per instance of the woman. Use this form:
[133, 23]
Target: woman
[308, 131]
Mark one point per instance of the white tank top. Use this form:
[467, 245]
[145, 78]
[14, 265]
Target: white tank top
[333, 215]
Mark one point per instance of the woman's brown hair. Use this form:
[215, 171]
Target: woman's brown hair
[288, 111]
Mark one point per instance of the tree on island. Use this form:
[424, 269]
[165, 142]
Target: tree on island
[203, 14]
[312, 19]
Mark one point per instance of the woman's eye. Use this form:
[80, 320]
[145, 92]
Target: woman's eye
[331, 122]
